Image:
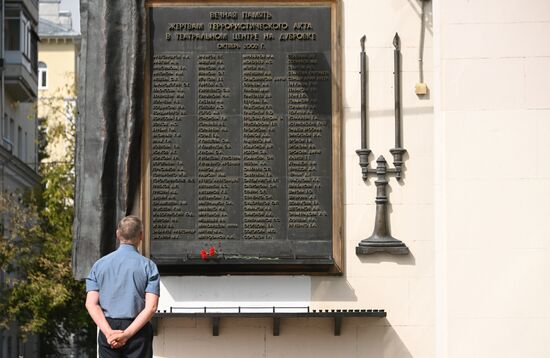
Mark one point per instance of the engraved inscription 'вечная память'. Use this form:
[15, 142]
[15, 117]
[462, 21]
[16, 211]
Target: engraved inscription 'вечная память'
[241, 134]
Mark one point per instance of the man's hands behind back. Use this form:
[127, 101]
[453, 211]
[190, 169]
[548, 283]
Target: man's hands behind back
[118, 339]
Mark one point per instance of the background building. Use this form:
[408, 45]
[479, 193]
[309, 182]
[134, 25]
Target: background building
[18, 132]
[57, 64]
[23, 77]
[19, 92]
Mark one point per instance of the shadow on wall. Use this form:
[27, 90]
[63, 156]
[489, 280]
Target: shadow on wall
[338, 289]
[244, 338]
[332, 289]
[383, 257]
[380, 341]
[428, 12]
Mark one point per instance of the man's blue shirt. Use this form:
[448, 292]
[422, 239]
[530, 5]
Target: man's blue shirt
[122, 279]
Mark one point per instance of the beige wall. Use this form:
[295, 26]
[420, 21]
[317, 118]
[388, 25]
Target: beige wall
[404, 286]
[494, 114]
[60, 58]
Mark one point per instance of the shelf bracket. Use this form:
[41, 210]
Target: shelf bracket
[276, 326]
[337, 325]
[215, 326]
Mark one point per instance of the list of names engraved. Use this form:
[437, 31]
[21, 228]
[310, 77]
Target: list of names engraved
[259, 124]
[169, 89]
[304, 126]
[241, 131]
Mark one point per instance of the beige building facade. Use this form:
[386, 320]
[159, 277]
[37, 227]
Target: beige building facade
[58, 52]
[472, 206]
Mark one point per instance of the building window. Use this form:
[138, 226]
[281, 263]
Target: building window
[42, 75]
[11, 136]
[19, 142]
[26, 148]
[12, 30]
[28, 41]
[6, 127]
[20, 35]
[20, 348]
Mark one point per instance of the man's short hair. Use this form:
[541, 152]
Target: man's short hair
[130, 228]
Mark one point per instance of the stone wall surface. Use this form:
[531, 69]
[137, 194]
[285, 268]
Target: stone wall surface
[493, 108]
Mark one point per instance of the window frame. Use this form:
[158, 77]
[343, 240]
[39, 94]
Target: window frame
[42, 71]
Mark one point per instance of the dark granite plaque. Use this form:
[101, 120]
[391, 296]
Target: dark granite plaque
[241, 138]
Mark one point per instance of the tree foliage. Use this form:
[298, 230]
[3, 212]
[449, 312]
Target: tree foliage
[40, 292]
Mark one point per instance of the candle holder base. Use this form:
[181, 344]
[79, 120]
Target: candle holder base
[364, 161]
[398, 160]
[387, 244]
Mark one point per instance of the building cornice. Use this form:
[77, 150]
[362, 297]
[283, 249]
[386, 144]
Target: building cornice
[22, 172]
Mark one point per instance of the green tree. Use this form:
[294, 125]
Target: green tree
[35, 250]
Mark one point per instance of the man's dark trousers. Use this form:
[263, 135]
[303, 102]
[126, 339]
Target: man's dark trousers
[139, 346]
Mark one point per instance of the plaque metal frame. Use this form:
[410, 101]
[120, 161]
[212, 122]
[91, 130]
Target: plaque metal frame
[336, 267]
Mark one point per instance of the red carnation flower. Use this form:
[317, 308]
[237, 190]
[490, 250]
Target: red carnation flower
[212, 251]
[204, 255]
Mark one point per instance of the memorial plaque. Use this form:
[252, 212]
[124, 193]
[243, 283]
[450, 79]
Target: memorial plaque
[244, 139]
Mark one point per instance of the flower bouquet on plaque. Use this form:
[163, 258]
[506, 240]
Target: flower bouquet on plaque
[209, 253]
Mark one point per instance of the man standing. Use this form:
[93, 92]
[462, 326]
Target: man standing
[123, 291]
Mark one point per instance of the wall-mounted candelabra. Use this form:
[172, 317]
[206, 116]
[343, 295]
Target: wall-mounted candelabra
[381, 239]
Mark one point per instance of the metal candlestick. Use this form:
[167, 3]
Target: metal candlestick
[398, 151]
[364, 152]
[381, 239]
[364, 128]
